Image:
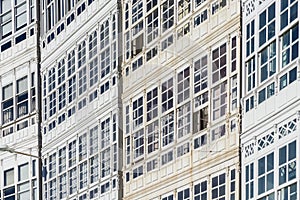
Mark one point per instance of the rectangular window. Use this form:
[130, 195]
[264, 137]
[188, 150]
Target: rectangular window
[72, 88]
[105, 162]
[71, 63]
[265, 173]
[167, 157]
[200, 191]
[250, 38]
[152, 26]
[183, 85]
[93, 69]
[219, 63]
[152, 165]
[93, 141]
[218, 132]
[8, 104]
[183, 120]
[105, 62]
[289, 45]
[62, 160]
[219, 100]
[184, 8]
[218, 5]
[152, 104]
[183, 149]
[72, 153]
[62, 186]
[94, 167]
[137, 11]
[6, 18]
[72, 180]
[92, 44]
[287, 163]
[287, 78]
[138, 144]
[52, 165]
[200, 120]
[234, 93]
[249, 103]
[167, 95]
[184, 194]
[151, 53]
[105, 133]
[81, 54]
[62, 96]
[167, 14]
[218, 184]
[167, 127]
[200, 18]
[52, 104]
[251, 74]
[167, 42]
[82, 147]
[200, 74]
[137, 172]
[267, 24]
[137, 106]
[267, 62]
[288, 12]
[22, 97]
[249, 180]
[82, 81]
[152, 133]
[266, 93]
[200, 141]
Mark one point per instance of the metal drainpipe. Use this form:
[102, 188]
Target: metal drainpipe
[39, 102]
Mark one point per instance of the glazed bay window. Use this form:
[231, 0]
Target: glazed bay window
[152, 134]
[265, 173]
[183, 120]
[184, 8]
[267, 62]
[137, 107]
[249, 180]
[138, 144]
[20, 14]
[219, 63]
[152, 26]
[250, 30]
[290, 45]
[167, 13]
[183, 85]
[288, 12]
[267, 24]
[200, 191]
[218, 184]
[6, 18]
[8, 104]
[167, 128]
[219, 100]
[250, 74]
[22, 96]
[287, 163]
[152, 104]
[200, 74]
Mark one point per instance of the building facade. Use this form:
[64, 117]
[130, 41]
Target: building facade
[81, 99]
[19, 101]
[181, 77]
[270, 98]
